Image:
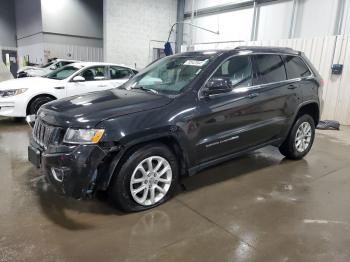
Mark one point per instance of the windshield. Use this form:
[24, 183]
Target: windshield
[169, 75]
[63, 72]
[47, 65]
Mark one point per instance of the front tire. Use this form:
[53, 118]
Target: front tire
[147, 178]
[300, 138]
[35, 105]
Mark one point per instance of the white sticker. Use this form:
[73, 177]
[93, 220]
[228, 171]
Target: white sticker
[196, 62]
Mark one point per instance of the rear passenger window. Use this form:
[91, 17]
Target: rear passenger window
[94, 73]
[270, 68]
[237, 69]
[120, 72]
[296, 67]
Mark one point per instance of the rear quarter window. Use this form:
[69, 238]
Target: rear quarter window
[296, 67]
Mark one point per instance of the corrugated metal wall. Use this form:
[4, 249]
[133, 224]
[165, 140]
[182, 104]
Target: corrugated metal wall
[83, 53]
[323, 52]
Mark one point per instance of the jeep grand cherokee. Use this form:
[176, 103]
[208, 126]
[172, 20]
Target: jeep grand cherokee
[178, 116]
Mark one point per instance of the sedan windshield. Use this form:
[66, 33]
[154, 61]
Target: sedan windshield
[63, 72]
[47, 65]
[169, 75]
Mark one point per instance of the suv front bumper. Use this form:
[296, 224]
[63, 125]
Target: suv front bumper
[71, 170]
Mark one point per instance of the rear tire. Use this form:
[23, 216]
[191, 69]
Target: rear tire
[156, 182]
[300, 139]
[35, 105]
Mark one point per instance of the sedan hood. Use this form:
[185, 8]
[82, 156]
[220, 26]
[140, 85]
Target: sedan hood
[29, 82]
[86, 111]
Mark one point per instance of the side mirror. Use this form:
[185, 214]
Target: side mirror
[54, 67]
[78, 79]
[216, 86]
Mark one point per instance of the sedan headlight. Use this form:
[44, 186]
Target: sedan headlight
[12, 92]
[83, 136]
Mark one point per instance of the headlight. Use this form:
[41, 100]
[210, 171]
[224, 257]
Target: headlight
[12, 92]
[83, 136]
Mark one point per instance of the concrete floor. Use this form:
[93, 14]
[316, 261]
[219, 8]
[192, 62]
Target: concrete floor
[256, 208]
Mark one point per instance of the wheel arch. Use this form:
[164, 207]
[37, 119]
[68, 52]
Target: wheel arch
[114, 159]
[35, 97]
[311, 108]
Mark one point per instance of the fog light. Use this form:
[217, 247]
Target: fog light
[57, 174]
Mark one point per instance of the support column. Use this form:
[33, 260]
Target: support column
[256, 10]
[180, 25]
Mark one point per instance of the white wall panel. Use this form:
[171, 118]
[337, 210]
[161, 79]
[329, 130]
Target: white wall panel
[82, 53]
[35, 52]
[129, 27]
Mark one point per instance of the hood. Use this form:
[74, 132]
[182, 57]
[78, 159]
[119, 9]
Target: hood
[86, 111]
[38, 71]
[25, 68]
[29, 82]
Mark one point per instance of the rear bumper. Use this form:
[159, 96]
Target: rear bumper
[71, 170]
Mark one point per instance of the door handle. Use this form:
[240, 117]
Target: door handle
[102, 85]
[292, 86]
[253, 95]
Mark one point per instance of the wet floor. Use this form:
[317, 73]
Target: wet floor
[259, 207]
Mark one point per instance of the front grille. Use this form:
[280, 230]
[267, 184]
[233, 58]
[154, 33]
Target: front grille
[44, 134]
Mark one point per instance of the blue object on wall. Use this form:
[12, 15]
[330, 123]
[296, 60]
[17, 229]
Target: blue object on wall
[167, 49]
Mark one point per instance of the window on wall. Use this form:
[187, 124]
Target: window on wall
[94, 73]
[237, 69]
[296, 67]
[270, 68]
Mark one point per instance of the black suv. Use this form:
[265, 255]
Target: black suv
[178, 116]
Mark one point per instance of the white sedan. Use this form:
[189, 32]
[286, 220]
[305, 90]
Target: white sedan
[24, 96]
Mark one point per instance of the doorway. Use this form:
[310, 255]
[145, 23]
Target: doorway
[10, 60]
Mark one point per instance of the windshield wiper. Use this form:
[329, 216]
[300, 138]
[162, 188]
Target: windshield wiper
[146, 89]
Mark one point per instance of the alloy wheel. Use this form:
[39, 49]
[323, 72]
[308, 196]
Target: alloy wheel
[151, 180]
[303, 137]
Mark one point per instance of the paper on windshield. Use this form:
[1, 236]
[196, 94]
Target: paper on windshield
[198, 63]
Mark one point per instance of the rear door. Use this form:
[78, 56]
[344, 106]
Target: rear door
[118, 75]
[276, 97]
[96, 79]
[300, 76]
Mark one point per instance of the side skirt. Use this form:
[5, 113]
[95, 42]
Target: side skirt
[194, 170]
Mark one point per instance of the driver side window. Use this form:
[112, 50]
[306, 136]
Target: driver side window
[96, 73]
[238, 70]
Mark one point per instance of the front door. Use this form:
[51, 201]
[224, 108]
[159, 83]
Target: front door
[227, 121]
[9, 57]
[95, 79]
